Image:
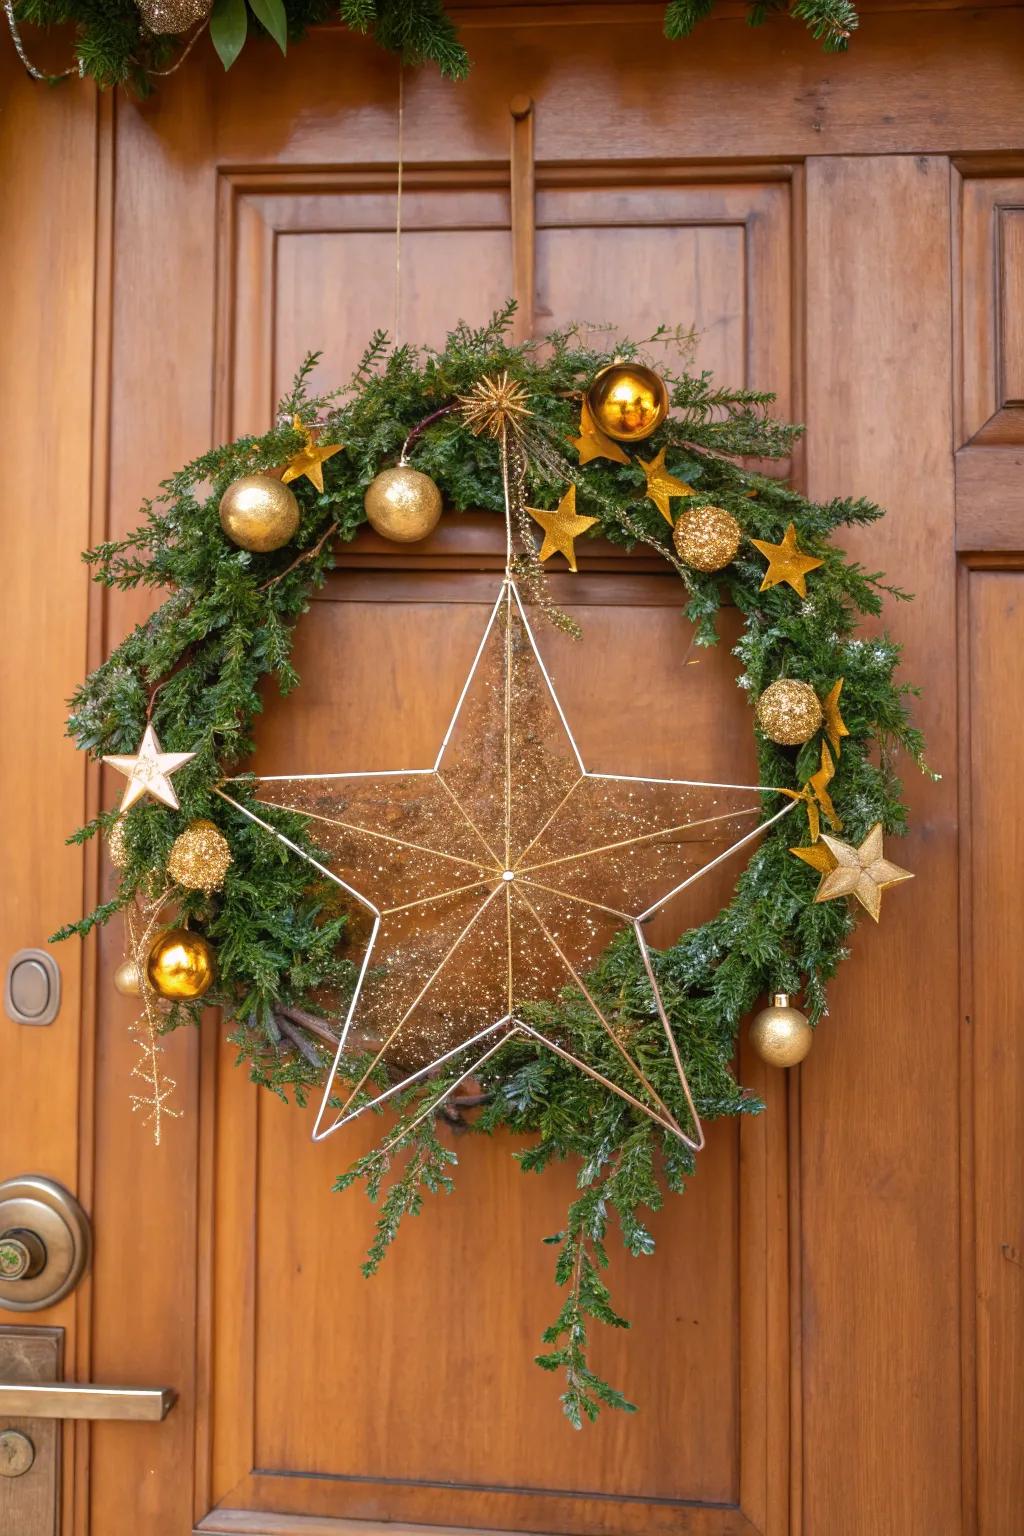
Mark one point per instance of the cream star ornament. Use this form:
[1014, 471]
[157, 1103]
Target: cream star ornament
[310, 459]
[592, 443]
[862, 872]
[786, 562]
[491, 881]
[149, 771]
[561, 527]
[662, 486]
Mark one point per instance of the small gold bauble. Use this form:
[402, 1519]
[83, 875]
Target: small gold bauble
[789, 712]
[172, 16]
[707, 538]
[403, 504]
[115, 844]
[199, 857]
[780, 1034]
[127, 979]
[180, 964]
[628, 401]
[259, 513]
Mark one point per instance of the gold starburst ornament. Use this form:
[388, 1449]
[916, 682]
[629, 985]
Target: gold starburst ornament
[496, 405]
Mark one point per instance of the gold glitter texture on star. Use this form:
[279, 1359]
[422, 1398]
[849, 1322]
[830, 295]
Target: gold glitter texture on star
[817, 856]
[492, 881]
[149, 771]
[835, 725]
[786, 562]
[863, 872]
[495, 405]
[561, 527]
[662, 486]
[311, 457]
[592, 443]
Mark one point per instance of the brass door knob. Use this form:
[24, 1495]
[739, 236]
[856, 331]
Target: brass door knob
[45, 1243]
[22, 1254]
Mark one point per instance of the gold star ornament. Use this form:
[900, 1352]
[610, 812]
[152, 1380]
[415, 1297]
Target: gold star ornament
[310, 459]
[786, 562]
[561, 527]
[592, 443]
[862, 872]
[662, 486]
[149, 771]
[835, 725]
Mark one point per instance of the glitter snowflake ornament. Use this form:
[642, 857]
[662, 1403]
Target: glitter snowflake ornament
[494, 879]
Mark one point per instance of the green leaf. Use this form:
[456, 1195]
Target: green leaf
[272, 16]
[229, 22]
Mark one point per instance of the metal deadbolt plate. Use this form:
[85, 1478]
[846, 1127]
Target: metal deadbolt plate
[41, 1206]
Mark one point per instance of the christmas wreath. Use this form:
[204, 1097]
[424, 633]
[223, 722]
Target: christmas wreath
[234, 890]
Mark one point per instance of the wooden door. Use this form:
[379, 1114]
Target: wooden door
[828, 1338]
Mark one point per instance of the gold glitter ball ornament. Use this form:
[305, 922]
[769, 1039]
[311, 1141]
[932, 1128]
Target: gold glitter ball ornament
[789, 712]
[127, 979]
[707, 538]
[180, 965]
[173, 16]
[199, 857]
[259, 513]
[780, 1034]
[403, 504]
[627, 401]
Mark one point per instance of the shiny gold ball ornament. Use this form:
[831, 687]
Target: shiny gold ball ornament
[707, 538]
[116, 849]
[259, 513]
[403, 504]
[180, 965]
[199, 857]
[789, 712]
[627, 401]
[780, 1034]
[127, 979]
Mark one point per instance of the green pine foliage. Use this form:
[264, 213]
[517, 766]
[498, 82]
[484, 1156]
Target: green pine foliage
[114, 46]
[200, 666]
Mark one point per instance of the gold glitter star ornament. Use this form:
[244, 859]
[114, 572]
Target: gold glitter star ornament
[149, 771]
[863, 872]
[561, 527]
[786, 562]
[310, 459]
[662, 486]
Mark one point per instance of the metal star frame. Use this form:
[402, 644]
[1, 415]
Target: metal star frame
[492, 880]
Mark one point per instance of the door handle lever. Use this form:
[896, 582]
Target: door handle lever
[69, 1400]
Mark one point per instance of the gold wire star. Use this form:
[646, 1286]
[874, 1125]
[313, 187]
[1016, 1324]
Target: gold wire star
[835, 726]
[592, 443]
[492, 881]
[786, 562]
[561, 527]
[310, 459]
[663, 486]
[149, 771]
[496, 404]
[862, 872]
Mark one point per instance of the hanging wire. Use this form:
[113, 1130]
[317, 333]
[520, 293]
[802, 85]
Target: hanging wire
[398, 203]
[37, 74]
